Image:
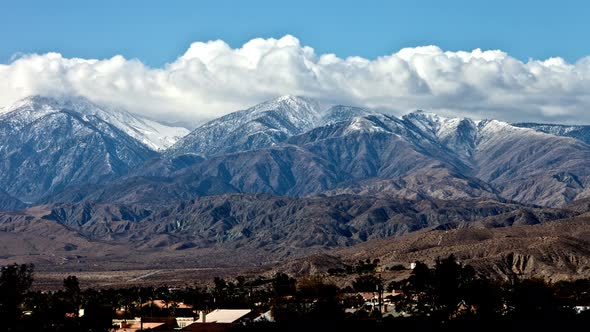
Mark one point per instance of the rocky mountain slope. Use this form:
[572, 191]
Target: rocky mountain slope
[261, 126]
[156, 136]
[580, 132]
[47, 145]
[295, 146]
[287, 178]
[418, 155]
[8, 202]
[500, 238]
[264, 221]
[554, 250]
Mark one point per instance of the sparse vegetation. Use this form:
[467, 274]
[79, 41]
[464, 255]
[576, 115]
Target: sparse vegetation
[362, 267]
[397, 267]
[447, 296]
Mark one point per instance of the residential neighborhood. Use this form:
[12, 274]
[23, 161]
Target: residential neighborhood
[448, 294]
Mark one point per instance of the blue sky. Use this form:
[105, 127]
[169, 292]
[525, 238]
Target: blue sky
[542, 72]
[157, 32]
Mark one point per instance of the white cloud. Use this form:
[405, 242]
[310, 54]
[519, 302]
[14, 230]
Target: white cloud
[211, 79]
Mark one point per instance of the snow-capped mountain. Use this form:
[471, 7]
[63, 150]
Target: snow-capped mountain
[339, 113]
[458, 135]
[464, 137]
[263, 125]
[580, 132]
[47, 145]
[286, 146]
[260, 126]
[350, 150]
[522, 164]
[280, 177]
[154, 135]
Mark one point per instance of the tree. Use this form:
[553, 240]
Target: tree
[417, 291]
[15, 281]
[441, 292]
[315, 300]
[485, 298]
[532, 298]
[451, 283]
[367, 283]
[283, 285]
[71, 285]
[314, 289]
[72, 297]
[97, 316]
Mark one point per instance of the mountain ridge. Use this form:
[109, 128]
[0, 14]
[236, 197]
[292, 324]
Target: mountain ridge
[297, 146]
[579, 132]
[154, 135]
[263, 125]
[284, 179]
[353, 151]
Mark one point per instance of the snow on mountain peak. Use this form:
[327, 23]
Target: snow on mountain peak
[297, 109]
[579, 132]
[363, 124]
[262, 125]
[153, 134]
[436, 126]
[293, 99]
[496, 126]
[433, 117]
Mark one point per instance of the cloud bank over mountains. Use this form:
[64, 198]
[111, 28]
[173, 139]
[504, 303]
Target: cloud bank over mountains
[211, 79]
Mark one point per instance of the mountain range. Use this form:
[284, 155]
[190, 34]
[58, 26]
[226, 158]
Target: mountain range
[48, 144]
[291, 146]
[580, 132]
[288, 177]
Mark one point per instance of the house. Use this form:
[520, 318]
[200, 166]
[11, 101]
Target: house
[216, 320]
[164, 304]
[183, 322]
[132, 325]
[209, 327]
[226, 315]
[219, 320]
[175, 308]
[137, 324]
[265, 317]
[374, 296]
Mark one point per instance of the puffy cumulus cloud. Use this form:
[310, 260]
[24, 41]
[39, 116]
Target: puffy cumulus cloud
[212, 78]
